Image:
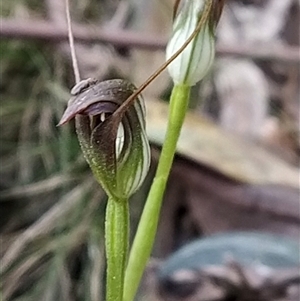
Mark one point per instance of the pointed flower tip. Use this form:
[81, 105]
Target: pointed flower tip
[72, 110]
[65, 118]
[62, 122]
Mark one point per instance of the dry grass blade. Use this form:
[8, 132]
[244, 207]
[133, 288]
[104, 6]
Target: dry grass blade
[36, 188]
[46, 223]
[37, 260]
[13, 280]
[96, 271]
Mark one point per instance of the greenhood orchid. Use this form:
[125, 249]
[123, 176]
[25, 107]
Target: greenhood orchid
[114, 143]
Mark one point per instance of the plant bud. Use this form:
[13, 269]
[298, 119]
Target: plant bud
[114, 144]
[193, 63]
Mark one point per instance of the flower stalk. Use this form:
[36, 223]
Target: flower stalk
[116, 245]
[145, 235]
[190, 54]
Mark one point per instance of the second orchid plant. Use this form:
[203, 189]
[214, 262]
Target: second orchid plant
[110, 125]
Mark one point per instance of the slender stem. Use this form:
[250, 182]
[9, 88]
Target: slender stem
[145, 235]
[71, 42]
[116, 241]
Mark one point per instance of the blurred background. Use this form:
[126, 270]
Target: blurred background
[237, 167]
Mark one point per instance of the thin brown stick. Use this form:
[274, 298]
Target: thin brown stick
[47, 31]
[71, 42]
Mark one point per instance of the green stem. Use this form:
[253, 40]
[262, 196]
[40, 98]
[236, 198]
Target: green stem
[145, 235]
[116, 242]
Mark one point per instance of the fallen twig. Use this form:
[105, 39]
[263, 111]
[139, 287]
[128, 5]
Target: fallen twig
[44, 30]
